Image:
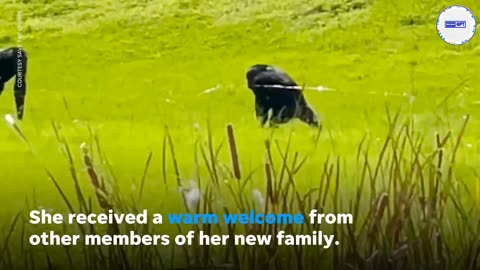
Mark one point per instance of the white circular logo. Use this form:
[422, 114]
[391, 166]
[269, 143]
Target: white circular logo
[456, 25]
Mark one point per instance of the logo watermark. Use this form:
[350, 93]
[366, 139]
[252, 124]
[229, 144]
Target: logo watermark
[456, 25]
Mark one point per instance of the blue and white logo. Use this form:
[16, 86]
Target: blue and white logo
[456, 25]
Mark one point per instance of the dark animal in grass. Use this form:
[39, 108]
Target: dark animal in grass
[277, 93]
[13, 63]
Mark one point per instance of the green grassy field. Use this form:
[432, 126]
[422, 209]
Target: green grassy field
[126, 70]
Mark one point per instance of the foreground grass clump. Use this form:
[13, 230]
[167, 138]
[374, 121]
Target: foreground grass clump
[411, 208]
[118, 72]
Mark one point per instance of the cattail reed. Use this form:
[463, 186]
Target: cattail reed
[233, 152]
[100, 189]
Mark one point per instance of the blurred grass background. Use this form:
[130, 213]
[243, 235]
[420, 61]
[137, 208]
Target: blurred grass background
[128, 68]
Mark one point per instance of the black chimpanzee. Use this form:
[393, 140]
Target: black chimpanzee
[13, 63]
[275, 91]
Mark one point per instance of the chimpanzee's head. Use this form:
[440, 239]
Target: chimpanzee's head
[253, 71]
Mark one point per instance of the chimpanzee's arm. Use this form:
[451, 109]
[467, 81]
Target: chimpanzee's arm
[2, 84]
[261, 112]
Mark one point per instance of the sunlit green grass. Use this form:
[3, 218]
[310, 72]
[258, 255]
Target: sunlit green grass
[113, 66]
